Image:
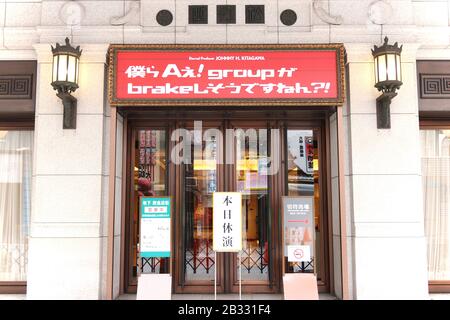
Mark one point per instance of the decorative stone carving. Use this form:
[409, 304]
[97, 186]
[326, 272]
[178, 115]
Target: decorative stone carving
[324, 15]
[134, 9]
[380, 12]
[288, 17]
[16, 87]
[435, 86]
[198, 14]
[254, 14]
[226, 14]
[72, 13]
[164, 17]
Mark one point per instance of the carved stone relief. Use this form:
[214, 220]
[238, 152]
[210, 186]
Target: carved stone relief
[434, 86]
[16, 87]
[325, 16]
[72, 13]
[120, 20]
[380, 12]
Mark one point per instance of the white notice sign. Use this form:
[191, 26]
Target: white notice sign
[299, 253]
[155, 227]
[227, 221]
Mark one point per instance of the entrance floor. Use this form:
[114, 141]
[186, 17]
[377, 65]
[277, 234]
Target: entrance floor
[325, 296]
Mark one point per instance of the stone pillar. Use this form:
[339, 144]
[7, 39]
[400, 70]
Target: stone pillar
[387, 246]
[70, 181]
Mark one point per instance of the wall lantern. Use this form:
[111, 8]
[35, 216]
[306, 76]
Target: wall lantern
[388, 79]
[66, 62]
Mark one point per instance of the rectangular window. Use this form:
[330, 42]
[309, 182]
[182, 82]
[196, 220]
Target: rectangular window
[198, 14]
[226, 14]
[16, 149]
[435, 144]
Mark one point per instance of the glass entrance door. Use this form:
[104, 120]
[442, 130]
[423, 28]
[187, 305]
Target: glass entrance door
[250, 175]
[240, 156]
[148, 178]
[263, 160]
[198, 154]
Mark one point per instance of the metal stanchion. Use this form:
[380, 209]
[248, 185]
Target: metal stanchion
[215, 275]
[240, 277]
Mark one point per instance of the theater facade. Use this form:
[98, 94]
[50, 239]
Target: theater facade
[179, 100]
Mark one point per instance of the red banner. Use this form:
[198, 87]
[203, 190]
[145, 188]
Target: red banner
[146, 75]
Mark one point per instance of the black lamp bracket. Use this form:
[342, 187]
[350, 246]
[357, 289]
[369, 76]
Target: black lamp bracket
[70, 110]
[384, 110]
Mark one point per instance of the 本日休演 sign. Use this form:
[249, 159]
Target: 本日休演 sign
[155, 227]
[227, 221]
[146, 75]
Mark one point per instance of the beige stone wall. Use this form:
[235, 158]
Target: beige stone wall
[386, 245]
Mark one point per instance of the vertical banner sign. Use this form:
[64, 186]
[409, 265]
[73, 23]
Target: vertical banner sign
[299, 228]
[301, 146]
[227, 221]
[155, 227]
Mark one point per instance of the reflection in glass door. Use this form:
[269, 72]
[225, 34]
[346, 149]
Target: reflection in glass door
[200, 181]
[208, 170]
[303, 180]
[252, 180]
[248, 175]
[149, 179]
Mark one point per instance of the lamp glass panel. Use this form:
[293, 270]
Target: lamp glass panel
[391, 67]
[55, 68]
[376, 70]
[399, 68]
[77, 70]
[382, 74]
[62, 68]
[71, 70]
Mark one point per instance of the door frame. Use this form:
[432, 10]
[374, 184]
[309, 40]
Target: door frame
[276, 117]
[179, 284]
[129, 285]
[325, 280]
[273, 285]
